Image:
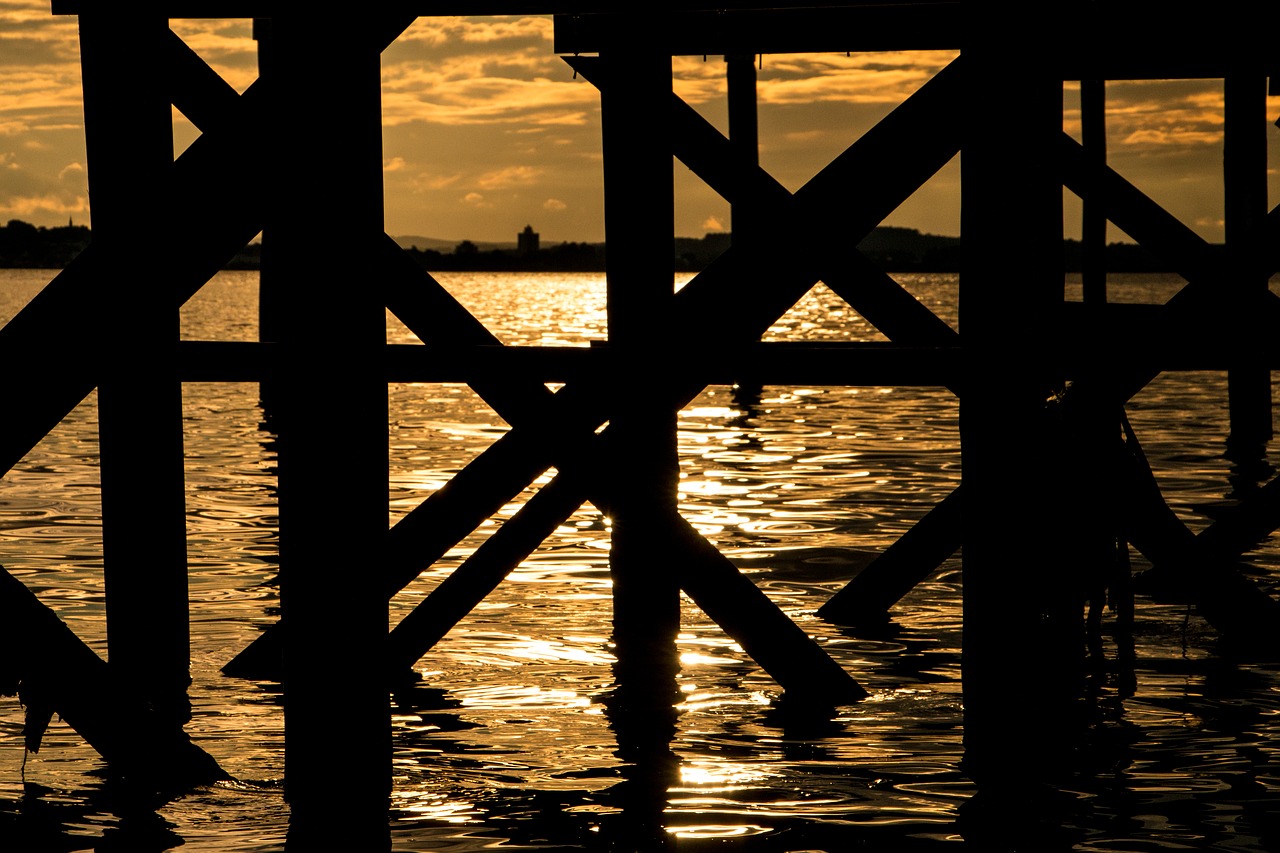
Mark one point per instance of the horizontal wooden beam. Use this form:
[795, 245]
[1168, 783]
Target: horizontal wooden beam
[1152, 341]
[1094, 41]
[772, 364]
[268, 8]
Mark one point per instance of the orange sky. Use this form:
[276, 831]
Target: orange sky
[485, 129]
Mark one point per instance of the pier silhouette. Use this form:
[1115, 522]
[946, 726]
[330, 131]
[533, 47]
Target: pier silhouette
[1043, 382]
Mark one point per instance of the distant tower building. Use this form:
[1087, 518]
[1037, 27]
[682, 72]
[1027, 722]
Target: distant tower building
[527, 242]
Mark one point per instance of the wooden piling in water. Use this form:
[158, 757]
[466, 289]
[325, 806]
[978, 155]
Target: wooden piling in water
[52, 671]
[129, 143]
[1245, 207]
[1022, 629]
[332, 425]
[639, 226]
[1022, 595]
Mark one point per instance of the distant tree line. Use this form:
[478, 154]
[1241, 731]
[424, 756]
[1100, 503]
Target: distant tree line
[892, 249]
[23, 245]
[564, 257]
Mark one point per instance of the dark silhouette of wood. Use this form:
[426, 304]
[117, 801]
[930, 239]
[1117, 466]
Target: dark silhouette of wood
[865, 600]
[744, 134]
[641, 460]
[128, 141]
[1245, 204]
[61, 328]
[196, 89]
[1093, 231]
[331, 411]
[1023, 617]
[899, 154]
[1022, 601]
[1179, 248]
[1202, 568]
[53, 672]
[506, 467]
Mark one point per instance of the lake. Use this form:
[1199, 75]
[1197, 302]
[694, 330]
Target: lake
[508, 743]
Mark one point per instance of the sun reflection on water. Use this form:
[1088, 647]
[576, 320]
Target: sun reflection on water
[798, 487]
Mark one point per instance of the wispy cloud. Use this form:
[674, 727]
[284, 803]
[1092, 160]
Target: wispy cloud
[511, 176]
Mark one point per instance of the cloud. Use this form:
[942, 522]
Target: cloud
[425, 181]
[393, 164]
[859, 78]
[30, 207]
[32, 37]
[461, 32]
[74, 173]
[712, 223]
[443, 96]
[512, 176]
[554, 205]
[474, 199]
[1161, 116]
[457, 71]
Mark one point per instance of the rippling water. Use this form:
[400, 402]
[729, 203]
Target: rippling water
[508, 743]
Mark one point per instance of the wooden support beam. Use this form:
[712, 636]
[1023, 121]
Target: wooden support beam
[194, 88]
[744, 137]
[216, 225]
[468, 585]
[571, 416]
[865, 600]
[129, 145]
[1245, 206]
[331, 405]
[1134, 213]
[1202, 567]
[1023, 618]
[1126, 42]
[737, 605]
[830, 224]
[53, 672]
[642, 465]
[1093, 231]
[61, 327]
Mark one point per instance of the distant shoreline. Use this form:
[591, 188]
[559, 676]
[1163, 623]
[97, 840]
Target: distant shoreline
[25, 246]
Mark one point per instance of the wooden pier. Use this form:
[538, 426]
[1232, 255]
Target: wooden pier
[1022, 345]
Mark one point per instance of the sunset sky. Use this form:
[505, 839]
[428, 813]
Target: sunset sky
[485, 129]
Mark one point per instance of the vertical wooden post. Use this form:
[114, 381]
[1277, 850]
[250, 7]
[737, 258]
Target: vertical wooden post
[326, 168]
[1245, 207]
[272, 299]
[744, 135]
[129, 144]
[639, 228]
[1093, 236]
[1022, 633]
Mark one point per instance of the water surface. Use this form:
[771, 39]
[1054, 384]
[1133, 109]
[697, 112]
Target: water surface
[508, 741]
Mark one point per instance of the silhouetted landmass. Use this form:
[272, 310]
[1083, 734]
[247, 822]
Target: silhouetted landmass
[23, 245]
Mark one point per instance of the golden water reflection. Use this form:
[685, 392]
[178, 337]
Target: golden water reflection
[511, 725]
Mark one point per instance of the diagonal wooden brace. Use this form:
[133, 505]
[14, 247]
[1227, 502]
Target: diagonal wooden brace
[573, 414]
[54, 670]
